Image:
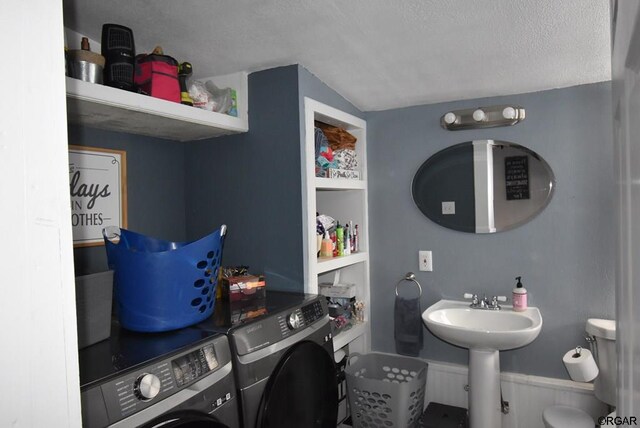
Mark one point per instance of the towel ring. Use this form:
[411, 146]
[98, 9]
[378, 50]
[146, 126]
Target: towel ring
[410, 276]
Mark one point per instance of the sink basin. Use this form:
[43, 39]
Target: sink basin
[485, 333]
[458, 324]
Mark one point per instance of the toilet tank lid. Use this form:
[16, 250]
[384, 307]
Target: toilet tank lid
[602, 328]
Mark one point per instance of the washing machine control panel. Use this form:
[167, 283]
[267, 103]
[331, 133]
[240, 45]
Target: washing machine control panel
[313, 312]
[295, 320]
[143, 387]
[146, 386]
[304, 316]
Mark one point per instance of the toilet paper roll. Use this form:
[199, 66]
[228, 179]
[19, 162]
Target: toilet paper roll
[580, 365]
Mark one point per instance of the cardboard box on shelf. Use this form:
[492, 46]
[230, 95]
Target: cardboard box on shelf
[341, 290]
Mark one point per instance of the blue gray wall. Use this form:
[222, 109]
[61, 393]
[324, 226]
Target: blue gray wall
[155, 188]
[251, 182]
[565, 254]
[310, 86]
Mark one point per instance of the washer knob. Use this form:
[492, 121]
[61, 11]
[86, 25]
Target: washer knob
[147, 386]
[294, 321]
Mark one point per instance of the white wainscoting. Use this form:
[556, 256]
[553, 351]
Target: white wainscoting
[527, 395]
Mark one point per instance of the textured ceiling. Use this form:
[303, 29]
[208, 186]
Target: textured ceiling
[379, 54]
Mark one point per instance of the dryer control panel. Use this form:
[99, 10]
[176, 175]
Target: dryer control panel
[265, 332]
[301, 317]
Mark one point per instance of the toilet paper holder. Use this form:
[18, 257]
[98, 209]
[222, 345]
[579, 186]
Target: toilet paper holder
[580, 364]
[593, 345]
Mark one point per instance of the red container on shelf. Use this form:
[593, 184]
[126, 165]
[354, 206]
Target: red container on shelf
[157, 75]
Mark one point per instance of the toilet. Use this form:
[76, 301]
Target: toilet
[604, 332]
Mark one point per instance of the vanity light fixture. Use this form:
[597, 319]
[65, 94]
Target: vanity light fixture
[482, 117]
[479, 115]
[450, 118]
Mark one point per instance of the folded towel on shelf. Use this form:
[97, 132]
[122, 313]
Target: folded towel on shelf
[408, 326]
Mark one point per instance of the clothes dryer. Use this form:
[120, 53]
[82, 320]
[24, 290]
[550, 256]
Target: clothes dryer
[282, 352]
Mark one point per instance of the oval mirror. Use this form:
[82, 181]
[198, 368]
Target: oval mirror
[483, 186]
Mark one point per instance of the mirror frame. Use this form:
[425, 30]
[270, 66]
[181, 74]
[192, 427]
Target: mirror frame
[481, 153]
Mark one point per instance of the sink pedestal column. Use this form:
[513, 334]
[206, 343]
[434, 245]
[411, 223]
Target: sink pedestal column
[484, 389]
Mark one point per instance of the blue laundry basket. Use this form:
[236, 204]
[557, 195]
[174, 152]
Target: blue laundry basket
[163, 285]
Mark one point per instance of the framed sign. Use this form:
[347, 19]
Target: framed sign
[98, 185]
[516, 170]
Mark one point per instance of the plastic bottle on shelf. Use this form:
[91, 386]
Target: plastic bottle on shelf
[356, 240]
[347, 240]
[326, 248]
[334, 244]
[340, 239]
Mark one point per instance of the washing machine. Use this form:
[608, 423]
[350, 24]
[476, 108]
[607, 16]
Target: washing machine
[176, 379]
[282, 353]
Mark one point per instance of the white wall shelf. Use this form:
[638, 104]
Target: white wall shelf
[326, 264]
[338, 184]
[114, 109]
[345, 200]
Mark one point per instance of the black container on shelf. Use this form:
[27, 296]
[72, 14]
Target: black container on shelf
[119, 51]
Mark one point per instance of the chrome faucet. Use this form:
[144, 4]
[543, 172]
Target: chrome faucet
[485, 303]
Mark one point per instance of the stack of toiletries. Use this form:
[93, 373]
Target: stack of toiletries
[336, 239]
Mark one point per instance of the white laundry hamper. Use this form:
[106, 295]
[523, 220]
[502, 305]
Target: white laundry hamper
[385, 390]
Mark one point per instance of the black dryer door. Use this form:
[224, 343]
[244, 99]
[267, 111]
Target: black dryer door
[184, 419]
[302, 391]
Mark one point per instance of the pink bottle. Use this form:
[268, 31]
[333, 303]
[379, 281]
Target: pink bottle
[519, 297]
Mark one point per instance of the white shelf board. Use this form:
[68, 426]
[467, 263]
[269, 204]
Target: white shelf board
[326, 264]
[345, 337]
[115, 109]
[339, 184]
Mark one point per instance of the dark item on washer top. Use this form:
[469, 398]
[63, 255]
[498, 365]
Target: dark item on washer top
[163, 285]
[93, 307]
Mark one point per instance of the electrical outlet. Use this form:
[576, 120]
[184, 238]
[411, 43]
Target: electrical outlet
[425, 261]
[448, 208]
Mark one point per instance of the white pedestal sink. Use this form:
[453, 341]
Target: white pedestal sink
[484, 332]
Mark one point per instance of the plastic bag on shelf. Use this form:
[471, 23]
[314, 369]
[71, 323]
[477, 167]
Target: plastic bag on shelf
[200, 96]
[223, 98]
[326, 221]
[207, 96]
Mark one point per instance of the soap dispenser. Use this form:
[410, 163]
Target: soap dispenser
[519, 296]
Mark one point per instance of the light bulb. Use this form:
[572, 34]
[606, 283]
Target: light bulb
[509, 113]
[479, 115]
[450, 118]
